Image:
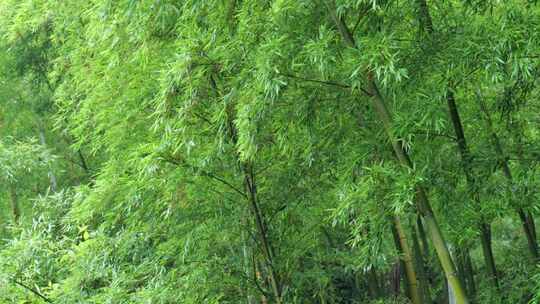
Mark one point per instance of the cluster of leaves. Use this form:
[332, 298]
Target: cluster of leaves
[225, 151]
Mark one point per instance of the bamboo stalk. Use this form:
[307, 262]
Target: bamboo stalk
[527, 223]
[466, 164]
[406, 257]
[423, 204]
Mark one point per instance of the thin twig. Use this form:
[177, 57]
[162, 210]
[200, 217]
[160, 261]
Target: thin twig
[360, 17]
[330, 83]
[204, 173]
[32, 290]
[427, 134]
[318, 81]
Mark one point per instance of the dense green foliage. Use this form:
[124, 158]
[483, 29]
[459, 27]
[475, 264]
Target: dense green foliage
[287, 151]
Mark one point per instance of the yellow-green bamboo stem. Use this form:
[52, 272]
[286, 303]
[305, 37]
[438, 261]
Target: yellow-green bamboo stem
[406, 257]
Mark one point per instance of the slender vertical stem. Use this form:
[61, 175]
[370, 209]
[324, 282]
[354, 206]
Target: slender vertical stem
[423, 238]
[15, 209]
[465, 269]
[251, 189]
[526, 222]
[460, 265]
[84, 164]
[406, 256]
[246, 255]
[519, 138]
[442, 251]
[397, 268]
[420, 266]
[250, 185]
[52, 176]
[373, 282]
[466, 164]
[426, 24]
[469, 270]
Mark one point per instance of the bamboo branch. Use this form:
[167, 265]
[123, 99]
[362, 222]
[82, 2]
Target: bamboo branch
[331, 83]
[32, 290]
[204, 173]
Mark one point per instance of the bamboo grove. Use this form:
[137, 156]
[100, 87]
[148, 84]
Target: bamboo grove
[257, 152]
